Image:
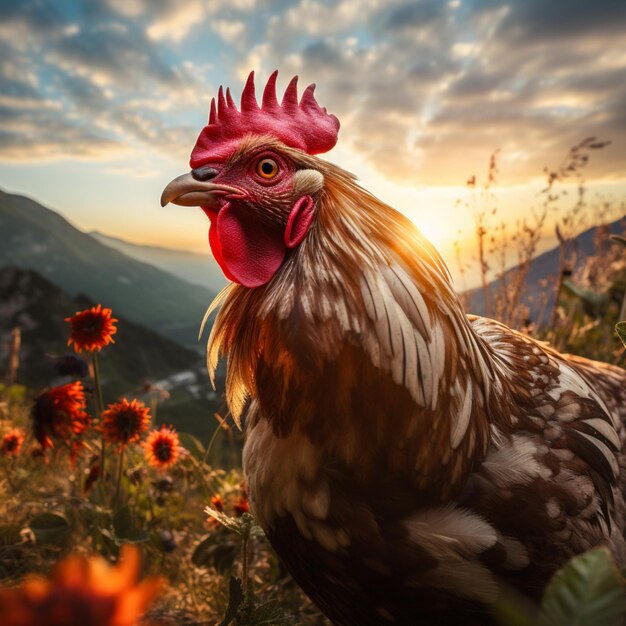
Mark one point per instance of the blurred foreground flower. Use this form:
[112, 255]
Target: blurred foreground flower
[123, 422]
[82, 592]
[12, 442]
[217, 502]
[241, 506]
[162, 447]
[59, 413]
[92, 329]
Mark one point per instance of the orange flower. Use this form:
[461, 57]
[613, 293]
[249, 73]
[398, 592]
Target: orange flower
[12, 442]
[217, 503]
[59, 413]
[162, 447]
[92, 329]
[124, 421]
[89, 592]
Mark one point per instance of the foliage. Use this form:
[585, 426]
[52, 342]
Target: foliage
[106, 492]
[588, 591]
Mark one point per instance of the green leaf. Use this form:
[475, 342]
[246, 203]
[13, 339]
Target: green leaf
[49, 528]
[620, 329]
[124, 528]
[235, 600]
[587, 591]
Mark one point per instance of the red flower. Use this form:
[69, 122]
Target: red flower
[217, 503]
[241, 506]
[82, 591]
[12, 442]
[59, 414]
[162, 447]
[123, 422]
[92, 329]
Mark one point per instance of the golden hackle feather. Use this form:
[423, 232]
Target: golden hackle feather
[364, 272]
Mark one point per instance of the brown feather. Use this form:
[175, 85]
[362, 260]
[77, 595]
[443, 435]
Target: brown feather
[397, 449]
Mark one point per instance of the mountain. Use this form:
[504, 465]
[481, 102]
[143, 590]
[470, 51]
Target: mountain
[34, 237]
[200, 269]
[138, 356]
[545, 266]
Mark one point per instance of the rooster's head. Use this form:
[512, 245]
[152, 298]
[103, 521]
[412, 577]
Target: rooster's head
[252, 174]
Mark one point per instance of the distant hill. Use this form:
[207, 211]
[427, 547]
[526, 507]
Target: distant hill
[200, 269]
[34, 237]
[139, 355]
[545, 266]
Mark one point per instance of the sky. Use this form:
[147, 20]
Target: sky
[101, 100]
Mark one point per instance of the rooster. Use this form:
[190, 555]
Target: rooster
[404, 459]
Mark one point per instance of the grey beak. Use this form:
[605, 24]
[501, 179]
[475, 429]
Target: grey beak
[185, 190]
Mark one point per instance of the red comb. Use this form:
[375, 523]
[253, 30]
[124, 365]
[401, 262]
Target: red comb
[304, 125]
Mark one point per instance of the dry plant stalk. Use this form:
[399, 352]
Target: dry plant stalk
[14, 355]
[505, 288]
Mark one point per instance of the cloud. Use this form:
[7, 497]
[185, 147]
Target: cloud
[229, 30]
[535, 21]
[22, 22]
[112, 53]
[177, 21]
[24, 137]
[425, 90]
[73, 89]
[417, 16]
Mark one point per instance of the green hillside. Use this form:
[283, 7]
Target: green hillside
[36, 238]
[200, 269]
[139, 355]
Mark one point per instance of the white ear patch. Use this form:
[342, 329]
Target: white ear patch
[307, 182]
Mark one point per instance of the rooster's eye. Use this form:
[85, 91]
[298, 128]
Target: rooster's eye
[267, 168]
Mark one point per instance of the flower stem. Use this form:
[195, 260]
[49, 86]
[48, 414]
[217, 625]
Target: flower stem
[245, 566]
[100, 406]
[119, 478]
[96, 378]
[246, 530]
[209, 447]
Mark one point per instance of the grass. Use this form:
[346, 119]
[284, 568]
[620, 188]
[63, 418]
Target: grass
[50, 508]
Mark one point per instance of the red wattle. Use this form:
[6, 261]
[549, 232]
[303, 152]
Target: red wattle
[216, 247]
[248, 250]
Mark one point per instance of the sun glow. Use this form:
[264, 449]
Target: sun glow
[435, 230]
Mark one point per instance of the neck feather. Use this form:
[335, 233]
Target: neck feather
[364, 287]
